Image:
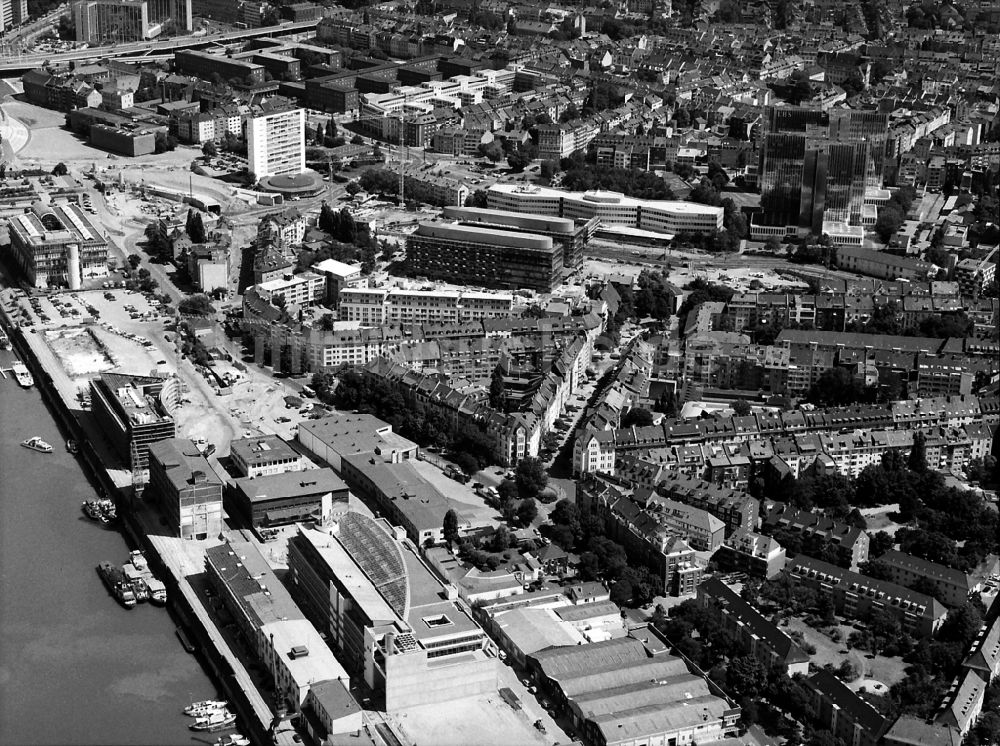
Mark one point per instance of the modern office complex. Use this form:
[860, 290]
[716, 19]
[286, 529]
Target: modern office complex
[572, 235]
[275, 141]
[189, 492]
[133, 412]
[610, 208]
[119, 21]
[392, 621]
[484, 256]
[56, 244]
[816, 166]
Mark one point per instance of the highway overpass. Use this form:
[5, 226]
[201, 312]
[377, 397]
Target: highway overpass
[17, 64]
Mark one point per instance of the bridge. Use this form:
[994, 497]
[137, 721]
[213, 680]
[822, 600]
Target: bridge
[152, 49]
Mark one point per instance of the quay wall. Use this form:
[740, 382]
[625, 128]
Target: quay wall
[226, 671]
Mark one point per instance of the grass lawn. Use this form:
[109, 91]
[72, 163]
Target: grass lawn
[886, 670]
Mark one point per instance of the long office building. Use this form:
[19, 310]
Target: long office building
[572, 235]
[57, 244]
[484, 256]
[388, 616]
[205, 65]
[275, 142]
[609, 208]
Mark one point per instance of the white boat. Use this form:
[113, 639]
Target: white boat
[21, 373]
[37, 444]
[4, 340]
[216, 721]
[212, 704]
[233, 739]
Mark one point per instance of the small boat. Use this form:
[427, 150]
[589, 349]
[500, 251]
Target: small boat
[206, 711]
[4, 340]
[157, 590]
[185, 640]
[233, 739]
[21, 373]
[220, 720]
[37, 444]
[72, 446]
[119, 587]
[214, 703]
[102, 510]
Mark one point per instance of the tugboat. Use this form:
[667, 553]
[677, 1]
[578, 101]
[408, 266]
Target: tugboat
[220, 720]
[102, 510]
[73, 447]
[21, 373]
[118, 586]
[37, 444]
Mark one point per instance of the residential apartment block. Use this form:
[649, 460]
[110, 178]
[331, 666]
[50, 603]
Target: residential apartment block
[755, 633]
[857, 596]
[276, 141]
[395, 305]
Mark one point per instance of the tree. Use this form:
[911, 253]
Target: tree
[476, 199]
[527, 510]
[357, 140]
[917, 460]
[637, 417]
[451, 527]
[209, 149]
[195, 228]
[746, 676]
[622, 592]
[134, 260]
[518, 161]
[319, 136]
[196, 305]
[60, 169]
[498, 395]
[163, 142]
[491, 151]
[530, 476]
[548, 169]
[741, 408]
[889, 220]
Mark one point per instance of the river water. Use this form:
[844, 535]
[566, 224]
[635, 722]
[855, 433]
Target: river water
[75, 667]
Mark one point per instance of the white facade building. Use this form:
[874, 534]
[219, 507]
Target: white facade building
[276, 142]
[611, 208]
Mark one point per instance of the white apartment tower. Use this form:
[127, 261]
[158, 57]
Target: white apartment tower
[276, 142]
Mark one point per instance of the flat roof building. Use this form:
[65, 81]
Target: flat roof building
[276, 141]
[279, 635]
[610, 208]
[489, 257]
[187, 488]
[280, 499]
[53, 244]
[133, 412]
[387, 613]
[337, 436]
[264, 455]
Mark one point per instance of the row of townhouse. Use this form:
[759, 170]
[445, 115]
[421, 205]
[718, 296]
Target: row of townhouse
[302, 347]
[600, 444]
[515, 435]
[648, 538]
[849, 543]
[836, 311]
